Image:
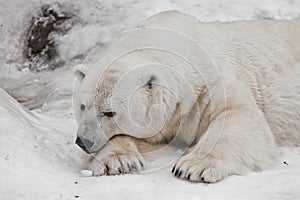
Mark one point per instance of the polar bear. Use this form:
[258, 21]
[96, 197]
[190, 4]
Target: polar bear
[230, 92]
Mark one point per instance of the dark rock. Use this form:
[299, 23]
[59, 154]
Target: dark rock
[41, 49]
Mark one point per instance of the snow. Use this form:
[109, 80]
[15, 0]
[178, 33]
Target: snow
[38, 157]
[86, 173]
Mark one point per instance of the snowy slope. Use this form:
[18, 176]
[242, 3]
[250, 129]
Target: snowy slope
[38, 158]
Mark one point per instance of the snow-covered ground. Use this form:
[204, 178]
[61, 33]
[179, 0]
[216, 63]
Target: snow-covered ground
[38, 158]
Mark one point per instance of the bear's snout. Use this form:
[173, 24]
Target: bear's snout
[84, 144]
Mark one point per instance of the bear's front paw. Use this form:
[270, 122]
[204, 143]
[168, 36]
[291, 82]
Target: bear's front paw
[200, 169]
[115, 164]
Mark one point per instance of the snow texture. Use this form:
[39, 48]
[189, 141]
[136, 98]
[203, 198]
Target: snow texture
[38, 157]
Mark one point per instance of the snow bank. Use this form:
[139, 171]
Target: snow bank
[99, 20]
[38, 158]
[36, 152]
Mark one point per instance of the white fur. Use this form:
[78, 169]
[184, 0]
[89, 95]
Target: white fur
[234, 114]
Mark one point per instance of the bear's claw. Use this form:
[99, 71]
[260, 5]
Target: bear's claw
[198, 170]
[116, 164]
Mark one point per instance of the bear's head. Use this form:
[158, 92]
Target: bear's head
[138, 95]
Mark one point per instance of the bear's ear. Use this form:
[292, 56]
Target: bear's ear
[80, 72]
[150, 81]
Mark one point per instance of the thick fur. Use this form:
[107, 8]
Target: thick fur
[234, 118]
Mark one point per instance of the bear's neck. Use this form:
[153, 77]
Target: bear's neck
[189, 121]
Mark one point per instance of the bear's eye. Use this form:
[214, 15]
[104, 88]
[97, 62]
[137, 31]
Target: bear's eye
[82, 107]
[109, 114]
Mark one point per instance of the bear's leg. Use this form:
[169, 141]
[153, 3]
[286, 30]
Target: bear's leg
[237, 142]
[122, 154]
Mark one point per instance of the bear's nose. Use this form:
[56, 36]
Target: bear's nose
[84, 144]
